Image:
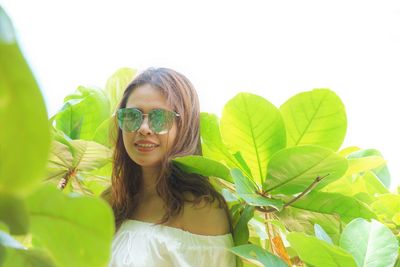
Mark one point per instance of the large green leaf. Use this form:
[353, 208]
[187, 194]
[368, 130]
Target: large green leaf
[24, 134]
[203, 166]
[316, 117]
[247, 190]
[258, 255]
[319, 253]
[371, 243]
[74, 230]
[13, 212]
[83, 112]
[213, 146]
[117, 84]
[292, 170]
[252, 125]
[333, 203]
[241, 231]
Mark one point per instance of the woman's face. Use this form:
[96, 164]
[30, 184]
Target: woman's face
[147, 98]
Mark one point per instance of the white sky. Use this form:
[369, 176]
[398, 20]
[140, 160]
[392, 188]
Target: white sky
[271, 48]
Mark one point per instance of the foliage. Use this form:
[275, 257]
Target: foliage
[39, 225]
[294, 197]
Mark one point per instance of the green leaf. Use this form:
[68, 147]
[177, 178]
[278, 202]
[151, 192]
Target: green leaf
[333, 203]
[248, 191]
[386, 206]
[68, 230]
[348, 150]
[292, 170]
[27, 258]
[241, 231]
[257, 255]
[25, 135]
[371, 243]
[366, 182]
[79, 155]
[298, 220]
[319, 253]
[14, 213]
[212, 146]
[321, 234]
[117, 84]
[102, 133]
[82, 113]
[316, 117]
[8, 241]
[203, 166]
[382, 171]
[252, 125]
[357, 165]
[90, 155]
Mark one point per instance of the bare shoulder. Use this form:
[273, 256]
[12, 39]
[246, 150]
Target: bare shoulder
[205, 218]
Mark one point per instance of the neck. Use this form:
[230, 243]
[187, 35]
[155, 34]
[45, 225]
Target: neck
[149, 175]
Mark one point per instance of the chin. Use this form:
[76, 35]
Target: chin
[147, 163]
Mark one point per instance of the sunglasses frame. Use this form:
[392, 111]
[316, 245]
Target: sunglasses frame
[144, 114]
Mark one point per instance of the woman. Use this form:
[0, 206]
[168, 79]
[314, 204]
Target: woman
[163, 216]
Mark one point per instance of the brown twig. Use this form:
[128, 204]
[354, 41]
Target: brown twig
[308, 189]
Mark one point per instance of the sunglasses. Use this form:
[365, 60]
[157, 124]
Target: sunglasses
[160, 120]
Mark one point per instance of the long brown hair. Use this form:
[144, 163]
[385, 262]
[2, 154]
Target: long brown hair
[172, 182]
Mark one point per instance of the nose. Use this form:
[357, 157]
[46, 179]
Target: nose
[144, 128]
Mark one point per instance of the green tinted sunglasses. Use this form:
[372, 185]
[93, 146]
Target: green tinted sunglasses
[160, 120]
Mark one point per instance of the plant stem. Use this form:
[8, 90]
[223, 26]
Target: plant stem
[64, 181]
[308, 189]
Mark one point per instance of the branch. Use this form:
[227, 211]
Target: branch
[308, 189]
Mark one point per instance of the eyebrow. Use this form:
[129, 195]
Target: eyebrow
[150, 109]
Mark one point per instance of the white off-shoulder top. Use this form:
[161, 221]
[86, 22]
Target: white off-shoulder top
[144, 244]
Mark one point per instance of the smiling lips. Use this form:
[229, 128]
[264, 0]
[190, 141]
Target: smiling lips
[145, 146]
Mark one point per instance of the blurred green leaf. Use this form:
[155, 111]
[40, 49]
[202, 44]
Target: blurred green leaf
[13, 212]
[117, 84]
[102, 133]
[59, 222]
[316, 117]
[27, 258]
[25, 141]
[83, 112]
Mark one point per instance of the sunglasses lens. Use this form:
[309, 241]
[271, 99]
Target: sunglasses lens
[129, 120]
[161, 120]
